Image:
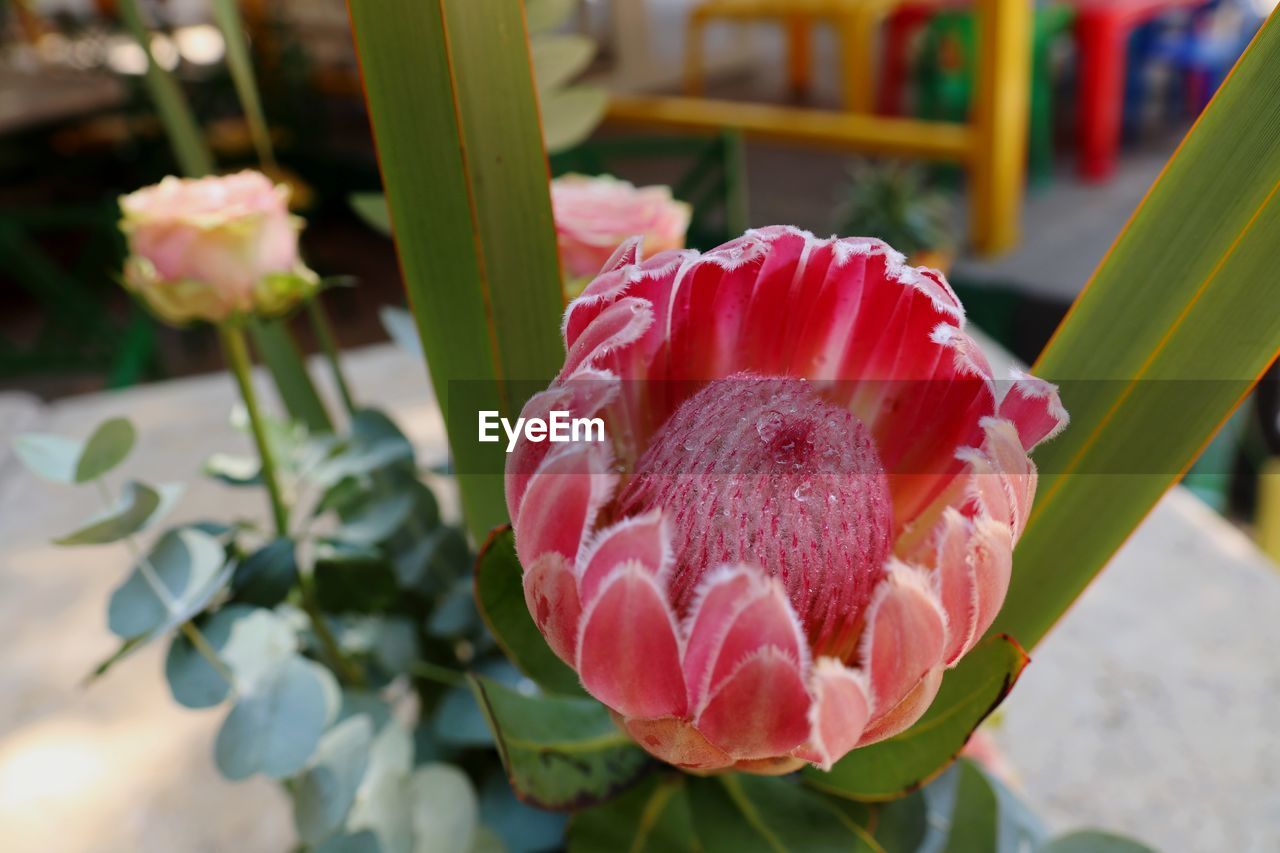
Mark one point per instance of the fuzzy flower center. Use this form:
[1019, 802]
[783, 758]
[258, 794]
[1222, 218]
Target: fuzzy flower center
[765, 472]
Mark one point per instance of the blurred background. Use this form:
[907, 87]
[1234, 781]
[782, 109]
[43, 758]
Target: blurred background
[850, 116]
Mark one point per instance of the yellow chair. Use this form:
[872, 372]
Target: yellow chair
[991, 145]
[856, 23]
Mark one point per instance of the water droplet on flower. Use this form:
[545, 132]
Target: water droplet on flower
[802, 492]
[768, 425]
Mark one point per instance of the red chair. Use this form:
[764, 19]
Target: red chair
[1103, 28]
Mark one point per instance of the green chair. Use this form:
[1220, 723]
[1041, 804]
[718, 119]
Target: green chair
[945, 72]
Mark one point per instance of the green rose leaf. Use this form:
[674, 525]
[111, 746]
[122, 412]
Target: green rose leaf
[559, 752]
[276, 724]
[139, 507]
[249, 641]
[267, 575]
[905, 762]
[653, 817]
[500, 596]
[739, 813]
[105, 449]
[324, 792]
[175, 581]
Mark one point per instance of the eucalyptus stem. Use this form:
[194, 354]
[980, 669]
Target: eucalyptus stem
[324, 334]
[237, 351]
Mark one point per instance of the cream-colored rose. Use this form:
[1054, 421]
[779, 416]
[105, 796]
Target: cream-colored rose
[594, 215]
[214, 248]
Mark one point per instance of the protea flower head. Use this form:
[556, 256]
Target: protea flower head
[805, 508]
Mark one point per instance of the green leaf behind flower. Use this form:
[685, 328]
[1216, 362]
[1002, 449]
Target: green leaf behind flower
[908, 761]
[559, 752]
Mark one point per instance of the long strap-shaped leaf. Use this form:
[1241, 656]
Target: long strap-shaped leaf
[1173, 331]
[451, 98]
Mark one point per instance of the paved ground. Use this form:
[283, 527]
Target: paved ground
[1146, 711]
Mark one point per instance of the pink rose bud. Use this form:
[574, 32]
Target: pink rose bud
[214, 248]
[594, 215]
[805, 507]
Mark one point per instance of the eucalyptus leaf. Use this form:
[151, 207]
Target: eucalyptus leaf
[557, 59]
[975, 818]
[500, 596]
[372, 210]
[105, 449]
[249, 641]
[176, 579]
[444, 809]
[51, 457]
[323, 794]
[570, 115]
[522, 827]
[382, 805]
[276, 725]
[455, 615]
[547, 14]
[139, 507]
[559, 752]
[234, 470]
[402, 329]
[375, 523]
[907, 761]
[1093, 841]
[459, 720]
[266, 576]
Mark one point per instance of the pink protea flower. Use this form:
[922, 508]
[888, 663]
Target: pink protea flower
[806, 507]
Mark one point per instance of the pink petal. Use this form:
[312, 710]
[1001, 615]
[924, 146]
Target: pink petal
[906, 713]
[740, 612]
[766, 345]
[905, 636]
[1002, 479]
[677, 742]
[551, 593]
[649, 281]
[561, 502]
[628, 651]
[1033, 406]
[839, 714]
[618, 326]
[973, 560]
[642, 539]
[926, 422]
[761, 710]
[583, 395]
